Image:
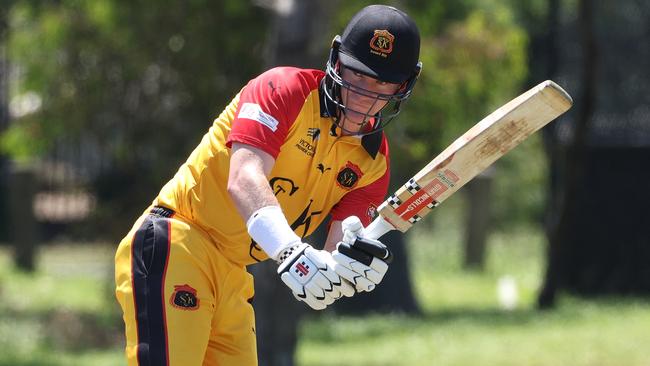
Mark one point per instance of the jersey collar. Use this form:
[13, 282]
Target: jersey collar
[372, 143]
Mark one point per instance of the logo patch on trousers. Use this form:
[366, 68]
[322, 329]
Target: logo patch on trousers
[184, 297]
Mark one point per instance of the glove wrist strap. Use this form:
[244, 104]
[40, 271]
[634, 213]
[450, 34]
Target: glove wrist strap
[270, 229]
[287, 252]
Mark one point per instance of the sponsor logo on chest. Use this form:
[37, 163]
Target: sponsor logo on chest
[306, 147]
[308, 144]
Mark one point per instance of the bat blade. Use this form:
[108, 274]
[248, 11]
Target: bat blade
[470, 154]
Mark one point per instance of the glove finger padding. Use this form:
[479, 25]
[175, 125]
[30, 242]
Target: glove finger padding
[346, 288]
[293, 284]
[372, 267]
[360, 282]
[364, 263]
[314, 256]
[352, 228]
[329, 281]
[323, 289]
[300, 294]
[373, 247]
[379, 266]
[370, 273]
[311, 301]
[331, 289]
[341, 287]
[314, 289]
[353, 236]
[359, 270]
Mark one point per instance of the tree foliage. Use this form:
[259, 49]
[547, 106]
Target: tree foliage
[472, 66]
[134, 84]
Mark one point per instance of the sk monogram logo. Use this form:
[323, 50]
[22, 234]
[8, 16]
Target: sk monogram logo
[381, 43]
[184, 297]
[349, 176]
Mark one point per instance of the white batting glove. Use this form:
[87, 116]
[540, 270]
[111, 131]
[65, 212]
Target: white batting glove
[310, 275]
[362, 261]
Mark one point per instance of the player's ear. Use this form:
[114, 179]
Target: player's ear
[340, 68]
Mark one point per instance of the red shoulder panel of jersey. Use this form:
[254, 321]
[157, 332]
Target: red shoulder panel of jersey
[269, 105]
[363, 202]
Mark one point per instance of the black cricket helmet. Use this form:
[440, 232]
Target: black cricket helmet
[381, 42]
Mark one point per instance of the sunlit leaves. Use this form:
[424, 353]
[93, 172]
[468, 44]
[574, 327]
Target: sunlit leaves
[471, 66]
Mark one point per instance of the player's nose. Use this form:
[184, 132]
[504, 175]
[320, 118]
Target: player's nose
[361, 99]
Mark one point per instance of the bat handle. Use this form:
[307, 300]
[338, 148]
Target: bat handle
[377, 228]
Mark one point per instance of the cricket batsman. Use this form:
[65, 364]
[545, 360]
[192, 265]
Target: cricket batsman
[293, 146]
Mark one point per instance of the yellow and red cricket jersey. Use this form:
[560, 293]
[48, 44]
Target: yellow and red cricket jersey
[317, 171]
[179, 273]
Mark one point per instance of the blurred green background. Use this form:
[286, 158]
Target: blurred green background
[542, 261]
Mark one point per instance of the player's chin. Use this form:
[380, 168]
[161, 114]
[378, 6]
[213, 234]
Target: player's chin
[354, 121]
[352, 127]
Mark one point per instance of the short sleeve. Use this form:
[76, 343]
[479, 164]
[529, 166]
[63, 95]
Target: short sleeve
[268, 106]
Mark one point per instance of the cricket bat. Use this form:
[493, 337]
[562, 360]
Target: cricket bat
[470, 154]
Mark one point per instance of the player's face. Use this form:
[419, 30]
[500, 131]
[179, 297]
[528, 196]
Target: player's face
[361, 99]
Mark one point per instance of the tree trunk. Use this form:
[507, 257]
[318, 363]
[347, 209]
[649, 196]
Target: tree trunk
[4, 115]
[277, 314]
[552, 147]
[575, 156]
[22, 190]
[478, 219]
[290, 43]
[4, 68]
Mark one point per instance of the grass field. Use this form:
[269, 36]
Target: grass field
[463, 323]
[65, 314]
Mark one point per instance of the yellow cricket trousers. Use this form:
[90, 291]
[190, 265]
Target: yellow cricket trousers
[183, 302]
